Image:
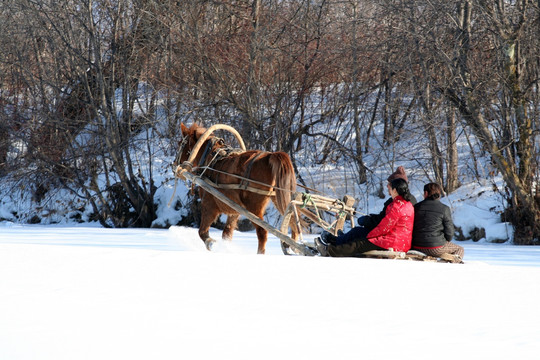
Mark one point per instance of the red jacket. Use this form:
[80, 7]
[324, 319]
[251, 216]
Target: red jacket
[395, 229]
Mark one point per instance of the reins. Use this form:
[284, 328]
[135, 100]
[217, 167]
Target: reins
[240, 185]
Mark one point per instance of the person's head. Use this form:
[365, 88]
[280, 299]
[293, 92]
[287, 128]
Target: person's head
[399, 187]
[432, 191]
[398, 174]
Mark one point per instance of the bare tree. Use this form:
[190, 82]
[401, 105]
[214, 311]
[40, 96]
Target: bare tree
[510, 28]
[87, 65]
[476, 54]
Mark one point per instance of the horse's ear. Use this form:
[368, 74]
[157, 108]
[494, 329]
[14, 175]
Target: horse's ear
[184, 129]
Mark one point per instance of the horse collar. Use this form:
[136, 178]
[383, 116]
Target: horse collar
[209, 150]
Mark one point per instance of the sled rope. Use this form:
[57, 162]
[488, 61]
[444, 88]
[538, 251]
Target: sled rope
[229, 186]
[308, 199]
[174, 191]
[242, 178]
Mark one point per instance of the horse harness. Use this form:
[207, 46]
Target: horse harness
[212, 155]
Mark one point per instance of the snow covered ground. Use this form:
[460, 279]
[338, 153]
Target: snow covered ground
[70, 292]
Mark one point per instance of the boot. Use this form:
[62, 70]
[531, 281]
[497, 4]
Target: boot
[322, 248]
[328, 238]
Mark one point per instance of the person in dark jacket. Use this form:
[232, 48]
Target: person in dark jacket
[433, 226]
[367, 223]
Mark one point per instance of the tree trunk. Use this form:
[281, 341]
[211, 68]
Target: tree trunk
[362, 176]
[452, 181]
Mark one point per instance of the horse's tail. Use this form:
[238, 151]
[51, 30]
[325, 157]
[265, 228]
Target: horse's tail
[283, 171]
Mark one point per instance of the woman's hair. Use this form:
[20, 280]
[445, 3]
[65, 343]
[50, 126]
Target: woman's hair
[402, 188]
[434, 191]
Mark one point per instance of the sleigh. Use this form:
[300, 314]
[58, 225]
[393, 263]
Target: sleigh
[303, 208]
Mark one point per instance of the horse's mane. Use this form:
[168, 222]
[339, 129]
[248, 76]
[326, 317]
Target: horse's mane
[196, 130]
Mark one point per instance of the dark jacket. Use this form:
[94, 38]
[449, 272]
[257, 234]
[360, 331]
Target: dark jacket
[433, 225]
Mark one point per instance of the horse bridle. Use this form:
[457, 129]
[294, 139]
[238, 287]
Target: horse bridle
[183, 143]
[211, 143]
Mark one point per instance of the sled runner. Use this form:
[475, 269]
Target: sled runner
[411, 255]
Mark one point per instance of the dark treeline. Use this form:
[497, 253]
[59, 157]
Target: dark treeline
[80, 78]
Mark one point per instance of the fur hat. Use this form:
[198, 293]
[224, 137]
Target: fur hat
[399, 174]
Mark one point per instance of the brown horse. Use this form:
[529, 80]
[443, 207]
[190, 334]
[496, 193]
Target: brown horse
[250, 178]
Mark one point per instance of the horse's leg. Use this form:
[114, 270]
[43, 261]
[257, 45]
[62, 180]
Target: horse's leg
[262, 235]
[230, 226]
[208, 216]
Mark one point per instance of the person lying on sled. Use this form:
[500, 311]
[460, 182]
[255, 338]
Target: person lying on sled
[393, 232]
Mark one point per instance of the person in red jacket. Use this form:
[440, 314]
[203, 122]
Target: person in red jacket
[393, 232]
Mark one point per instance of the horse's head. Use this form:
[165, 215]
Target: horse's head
[197, 145]
[185, 146]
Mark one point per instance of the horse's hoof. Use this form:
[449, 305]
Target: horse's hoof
[209, 244]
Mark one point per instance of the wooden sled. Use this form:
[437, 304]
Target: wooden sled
[411, 255]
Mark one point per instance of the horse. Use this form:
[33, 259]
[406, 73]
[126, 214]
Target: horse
[250, 178]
